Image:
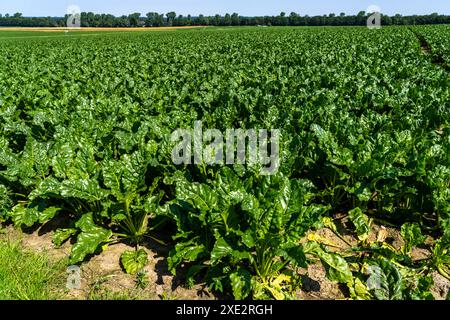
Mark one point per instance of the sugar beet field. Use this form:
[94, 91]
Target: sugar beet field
[359, 204]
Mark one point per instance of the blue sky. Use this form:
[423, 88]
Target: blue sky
[211, 7]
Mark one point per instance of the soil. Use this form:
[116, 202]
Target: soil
[316, 286]
[103, 276]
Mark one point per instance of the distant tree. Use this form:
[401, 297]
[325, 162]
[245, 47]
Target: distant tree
[170, 18]
[434, 18]
[227, 20]
[202, 20]
[151, 19]
[89, 19]
[97, 20]
[397, 19]
[294, 19]
[134, 19]
[123, 21]
[235, 21]
[361, 18]
[180, 21]
[386, 20]
[217, 21]
[283, 21]
[109, 20]
[154, 19]
[160, 20]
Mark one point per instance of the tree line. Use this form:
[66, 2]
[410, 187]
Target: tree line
[155, 19]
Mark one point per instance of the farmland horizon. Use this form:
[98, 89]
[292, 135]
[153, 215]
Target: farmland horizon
[75, 17]
[197, 15]
[249, 8]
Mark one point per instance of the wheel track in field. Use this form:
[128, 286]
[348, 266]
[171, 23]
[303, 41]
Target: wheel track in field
[436, 58]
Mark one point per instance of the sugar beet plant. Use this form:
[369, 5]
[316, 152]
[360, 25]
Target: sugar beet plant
[243, 229]
[437, 38]
[85, 127]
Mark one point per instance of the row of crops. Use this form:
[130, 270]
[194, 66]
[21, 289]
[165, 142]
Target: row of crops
[85, 126]
[439, 41]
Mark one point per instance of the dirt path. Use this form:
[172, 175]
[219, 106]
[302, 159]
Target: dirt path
[427, 51]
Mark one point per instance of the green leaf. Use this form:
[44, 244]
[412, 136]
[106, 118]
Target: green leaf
[5, 202]
[134, 260]
[361, 222]
[29, 215]
[112, 172]
[134, 169]
[35, 154]
[295, 255]
[248, 240]
[48, 214]
[89, 240]
[185, 252]
[221, 249]
[200, 196]
[229, 186]
[412, 235]
[241, 283]
[358, 289]
[47, 188]
[251, 204]
[62, 161]
[24, 216]
[421, 289]
[84, 166]
[62, 235]
[88, 190]
[336, 267]
[385, 280]
[192, 272]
